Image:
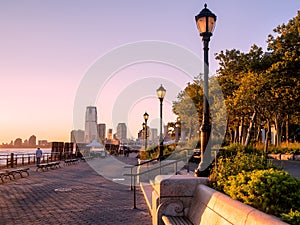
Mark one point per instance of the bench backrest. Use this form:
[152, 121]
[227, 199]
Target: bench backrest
[209, 206]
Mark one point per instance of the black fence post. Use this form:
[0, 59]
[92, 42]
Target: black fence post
[12, 160]
[134, 194]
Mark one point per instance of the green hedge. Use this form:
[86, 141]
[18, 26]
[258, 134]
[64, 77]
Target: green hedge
[271, 191]
[254, 180]
[293, 217]
[293, 148]
[229, 166]
[284, 150]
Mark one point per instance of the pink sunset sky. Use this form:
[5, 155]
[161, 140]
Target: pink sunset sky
[47, 47]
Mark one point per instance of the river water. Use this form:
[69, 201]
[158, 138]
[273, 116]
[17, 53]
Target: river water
[5, 152]
[22, 150]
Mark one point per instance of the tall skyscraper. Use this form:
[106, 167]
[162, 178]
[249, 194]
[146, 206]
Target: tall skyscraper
[101, 132]
[122, 131]
[90, 132]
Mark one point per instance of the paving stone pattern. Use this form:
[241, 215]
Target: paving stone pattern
[70, 195]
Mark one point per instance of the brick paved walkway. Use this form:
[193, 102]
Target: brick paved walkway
[73, 194]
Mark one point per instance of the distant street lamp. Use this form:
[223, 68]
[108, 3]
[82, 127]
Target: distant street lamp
[205, 21]
[161, 92]
[146, 117]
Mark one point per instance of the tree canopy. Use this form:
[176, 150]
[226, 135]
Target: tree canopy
[260, 89]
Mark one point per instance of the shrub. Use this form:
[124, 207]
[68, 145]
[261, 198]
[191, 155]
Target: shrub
[291, 148]
[229, 166]
[256, 181]
[236, 148]
[271, 191]
[153, 152]
[293, 217]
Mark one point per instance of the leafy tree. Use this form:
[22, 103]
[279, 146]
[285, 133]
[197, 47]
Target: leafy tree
[284, 73]
[189, 107]
[232, 64]
[263, 85]
[233, 75]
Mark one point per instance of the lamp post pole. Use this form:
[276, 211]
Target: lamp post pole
[161, 140]
[146, 116]
[161, 94]
[205, 22]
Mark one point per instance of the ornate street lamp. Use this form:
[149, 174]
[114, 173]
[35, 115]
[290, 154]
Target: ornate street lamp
[161, 92]
[205, 21]
[146, 117]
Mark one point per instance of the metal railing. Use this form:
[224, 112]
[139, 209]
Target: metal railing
[16, 159]
[135, 166]
[159, 165]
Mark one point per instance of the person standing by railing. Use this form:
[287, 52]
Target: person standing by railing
[38, 154]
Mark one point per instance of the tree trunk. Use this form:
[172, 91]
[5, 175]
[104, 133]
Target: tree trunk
[287, 130]
[250, 129]
[228, 132]
[236, 134]
[267, 137]
[258, 133]
[278, 132]
[232, 136]
[241, 131]
[190, 131]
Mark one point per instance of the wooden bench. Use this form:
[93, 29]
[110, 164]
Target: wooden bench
[208, 207]
[180, 220]
[11, 174]
[4, 175]
[20, 171]
[71, 161]
[46, 166]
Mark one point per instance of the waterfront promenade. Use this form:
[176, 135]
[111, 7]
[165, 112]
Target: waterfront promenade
[76, 194]
[73, 194]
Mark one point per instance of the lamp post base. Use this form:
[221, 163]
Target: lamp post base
[203, 173]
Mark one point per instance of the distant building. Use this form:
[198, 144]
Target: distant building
[101, 132]
[32, 141]
[18, 142]
[165, 130]
[153, 136]
[141, 134]
[77, 136]
[121, 131]
[90, 124]
[109, 134]
[43, 143]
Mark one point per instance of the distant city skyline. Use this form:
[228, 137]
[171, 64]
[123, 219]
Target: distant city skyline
[97, 131]
[47, 48]
[31, 141]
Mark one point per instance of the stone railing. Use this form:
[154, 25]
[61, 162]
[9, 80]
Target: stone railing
[191, 198]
